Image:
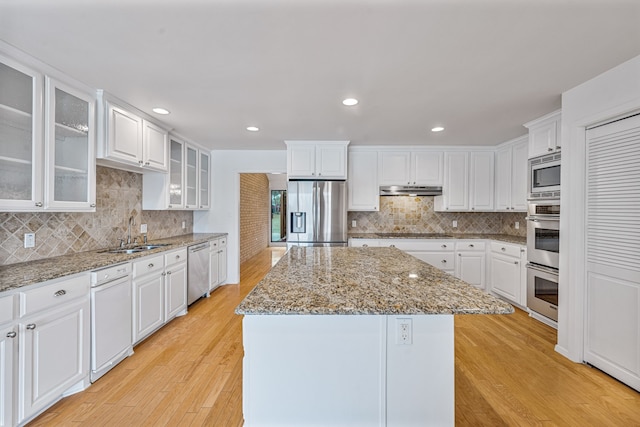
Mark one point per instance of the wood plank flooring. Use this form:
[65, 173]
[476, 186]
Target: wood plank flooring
[189, 373]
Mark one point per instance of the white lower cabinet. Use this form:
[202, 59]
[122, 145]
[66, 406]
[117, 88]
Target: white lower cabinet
[471, 261]
[54, 343]
[175, 284]
[217, 262]
[508, 272]
[159, 291]
[8, 346]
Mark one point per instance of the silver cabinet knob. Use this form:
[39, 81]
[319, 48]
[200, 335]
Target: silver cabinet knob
[459, 254]
[443, 246]
[92, 205]
[31, 326]
[11, 334]
[444, 261]
[39, 204]
[549, 149]
[147, 163]
[150, 265]
[177, 256]
[392, 246]
[168, 272]
[365, 246]
[140, 162]
[60, 293]
[471, 245]
[163, 274]
[516, 262]
[503, 249]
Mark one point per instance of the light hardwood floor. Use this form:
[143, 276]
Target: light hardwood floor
[190, 373]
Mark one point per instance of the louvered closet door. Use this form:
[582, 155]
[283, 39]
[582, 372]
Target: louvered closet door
[612, 341]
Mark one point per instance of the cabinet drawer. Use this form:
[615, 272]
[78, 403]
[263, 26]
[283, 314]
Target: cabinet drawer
[474, 245]
[418, 244]
[147, 265]
[54, 294]
[506, 249]
[442, 260]
[6, 309]
[175, 257]
[110, 273]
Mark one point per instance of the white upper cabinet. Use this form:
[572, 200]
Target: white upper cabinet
[317, 159]
[410, 168]
[511, 176]
[69, 149]
[129, 141]
[544, 134]
[481, 181]
[21, 148]
[455, 191]
[154, 147]
[47, 158]
[186, 186]
[363, 191]
[468, 182]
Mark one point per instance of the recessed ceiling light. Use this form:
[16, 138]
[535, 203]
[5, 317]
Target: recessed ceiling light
[159, 110]
[253, 128]
[437, 129]
[349, 102]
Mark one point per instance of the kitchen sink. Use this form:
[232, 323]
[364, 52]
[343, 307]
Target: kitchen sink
[122, 251]
[149, 247]
[135, 249]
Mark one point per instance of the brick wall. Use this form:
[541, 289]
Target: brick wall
[255, 214]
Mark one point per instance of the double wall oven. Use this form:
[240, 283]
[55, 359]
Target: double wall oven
[543, 235]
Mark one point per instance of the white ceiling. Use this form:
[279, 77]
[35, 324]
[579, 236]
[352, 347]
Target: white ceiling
[481, 68]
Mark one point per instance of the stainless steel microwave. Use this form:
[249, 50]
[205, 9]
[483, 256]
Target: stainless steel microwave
[544, 177]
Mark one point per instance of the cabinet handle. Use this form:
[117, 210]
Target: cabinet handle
[471, 245]
[521, 251]
[220, 251]
[11, 334]
[168, 272]
[147, 163]
[549, 149]
[38, 204]
[163, 274]
[60, 293]
[392, 246]
[503, 249]
[150, 265]
[459, 254]
[92, 205]
[140, 162]
[516, 262]
[186, 206]
[31, 326]
[443, 246]
[444, 261]
[177, 256]
[365, 246]
[170, 206]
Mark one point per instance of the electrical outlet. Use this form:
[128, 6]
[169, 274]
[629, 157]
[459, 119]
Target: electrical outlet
[455, 224]
[29, 240]
[184, 224]
[354, 224]
[143, 228]
[517, 225]
[405, 332]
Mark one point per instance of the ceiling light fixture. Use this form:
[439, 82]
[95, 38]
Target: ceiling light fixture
[437, 129]
[253, 128]
[162, 111]
[350, 102]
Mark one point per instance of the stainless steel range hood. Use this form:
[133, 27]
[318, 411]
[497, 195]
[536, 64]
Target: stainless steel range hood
[409, 190]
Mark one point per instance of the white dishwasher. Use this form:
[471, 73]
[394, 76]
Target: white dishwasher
[111, 326]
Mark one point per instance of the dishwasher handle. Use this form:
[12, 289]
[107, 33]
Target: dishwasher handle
[198, 248]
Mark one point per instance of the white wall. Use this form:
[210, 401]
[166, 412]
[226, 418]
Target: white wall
[611, 95]
[224, 215]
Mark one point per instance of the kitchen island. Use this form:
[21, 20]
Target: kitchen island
[354, 336]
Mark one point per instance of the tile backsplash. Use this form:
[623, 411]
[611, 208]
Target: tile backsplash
[118, 196]
[416, 215]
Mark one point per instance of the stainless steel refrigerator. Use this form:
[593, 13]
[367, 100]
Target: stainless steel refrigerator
[317, 213]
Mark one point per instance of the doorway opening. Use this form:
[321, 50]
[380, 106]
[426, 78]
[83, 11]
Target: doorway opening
[278, 216]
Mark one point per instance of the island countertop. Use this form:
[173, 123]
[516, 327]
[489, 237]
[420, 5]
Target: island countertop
[363, 281]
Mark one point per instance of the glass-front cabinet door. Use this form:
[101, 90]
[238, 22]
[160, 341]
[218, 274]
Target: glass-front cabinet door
[205, 176]
[191, 175]
[20, 137]
[176, 181]
[69, 149]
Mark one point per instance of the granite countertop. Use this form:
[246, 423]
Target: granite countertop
[345, 281]
[15, 276]
[501, 237]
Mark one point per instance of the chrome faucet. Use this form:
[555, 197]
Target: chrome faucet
[131, 222]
